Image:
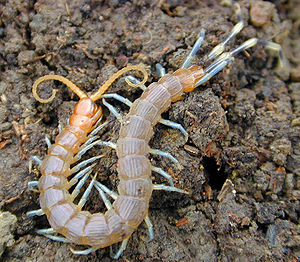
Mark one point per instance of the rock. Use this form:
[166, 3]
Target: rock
[3, 113]
[295, 74]
[268, 212]
[26, 57]
[280, 149]
[7, 225]
[261, 12]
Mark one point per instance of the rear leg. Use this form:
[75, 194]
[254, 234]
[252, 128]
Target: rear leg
[219, 49]
[187, 62]
[223, 60]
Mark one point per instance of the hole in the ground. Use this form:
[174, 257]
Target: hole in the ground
[215, 173]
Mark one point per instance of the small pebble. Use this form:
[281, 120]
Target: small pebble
[5, 126]
[296, 122]
[261, 12]
[295, 74]
[26, 57]
[8, 223]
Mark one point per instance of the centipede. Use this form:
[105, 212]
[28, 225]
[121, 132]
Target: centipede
[131, 202]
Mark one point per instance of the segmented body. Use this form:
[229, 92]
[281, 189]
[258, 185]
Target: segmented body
[134, 168]
[55, 200]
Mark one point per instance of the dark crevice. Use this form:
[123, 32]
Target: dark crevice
[216, 174]
[27, 35]
[45, 63]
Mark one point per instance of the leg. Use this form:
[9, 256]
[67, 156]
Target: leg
[214, 70]
[107, 203]
[84, 163]
[32, 184]
[169, 188]
[76, 191]
[97, 129]
[196, 47]
[98, 123]
[46, 231]
[87, 193]
[89, 141]
[267, 44]
[150, 230]
[35, 159]
[60, 127]
[49, 233]
[58, 238]
[38, 212]
[88, 147]
[160, 70]
[112, 110]
[119, 98]
[83, 252]
[121, 249]
[175, 126]
[48, 141]
[164, 174]
[75, 179]
[165, 154]
[111, 193]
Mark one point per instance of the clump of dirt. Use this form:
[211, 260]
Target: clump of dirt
[241, 162]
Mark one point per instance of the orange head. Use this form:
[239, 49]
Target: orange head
[85, 115]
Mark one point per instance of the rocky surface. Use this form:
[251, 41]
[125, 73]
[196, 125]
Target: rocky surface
[241, 162]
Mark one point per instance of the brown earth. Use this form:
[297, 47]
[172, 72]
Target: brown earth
[241, 162]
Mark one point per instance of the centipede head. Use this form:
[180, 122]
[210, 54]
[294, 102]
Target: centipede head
[85, 107]
[85, 115]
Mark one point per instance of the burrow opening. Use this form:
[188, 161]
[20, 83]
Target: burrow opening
[216, 174]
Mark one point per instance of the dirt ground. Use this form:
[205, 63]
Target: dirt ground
[241, 162]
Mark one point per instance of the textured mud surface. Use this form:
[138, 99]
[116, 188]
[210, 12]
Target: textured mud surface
[241, 162]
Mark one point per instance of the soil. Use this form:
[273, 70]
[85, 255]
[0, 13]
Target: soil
[241, 163]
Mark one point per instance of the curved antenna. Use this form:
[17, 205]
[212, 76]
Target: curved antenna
[62, 79]
[82, 94]
[109, 82]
